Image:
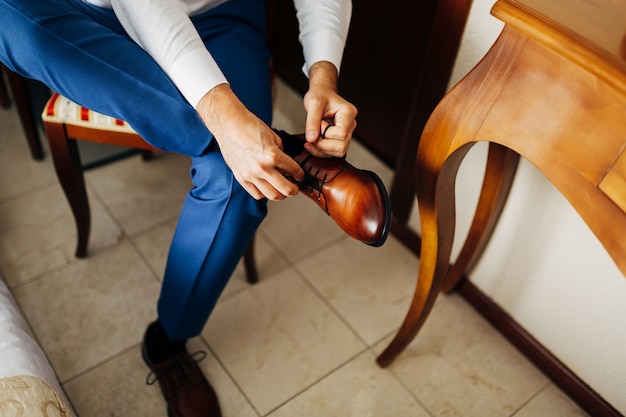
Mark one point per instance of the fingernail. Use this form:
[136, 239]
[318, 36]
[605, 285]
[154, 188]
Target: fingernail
[311, 135]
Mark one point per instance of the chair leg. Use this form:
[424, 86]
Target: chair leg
[4, 93]
[69, 171]
[250, 265]
[19, 89]
[147, 155]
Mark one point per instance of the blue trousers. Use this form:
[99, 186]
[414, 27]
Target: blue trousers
[82, 52]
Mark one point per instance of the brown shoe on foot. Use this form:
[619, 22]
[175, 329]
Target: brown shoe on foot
[184, 386]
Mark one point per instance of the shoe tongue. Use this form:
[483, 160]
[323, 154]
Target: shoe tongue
[292, 145]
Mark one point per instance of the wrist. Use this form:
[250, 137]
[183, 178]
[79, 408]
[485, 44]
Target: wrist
[215, 103]
[323, 74]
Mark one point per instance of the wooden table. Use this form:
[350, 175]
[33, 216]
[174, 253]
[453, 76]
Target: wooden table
[551, 89]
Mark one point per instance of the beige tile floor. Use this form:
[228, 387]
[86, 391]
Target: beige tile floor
[302, 342]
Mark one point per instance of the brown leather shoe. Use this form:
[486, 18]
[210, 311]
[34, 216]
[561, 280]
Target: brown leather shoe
[355, 199]
[184, 386]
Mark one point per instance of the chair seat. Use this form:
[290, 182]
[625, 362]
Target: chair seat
[80, 123]
[62, 110]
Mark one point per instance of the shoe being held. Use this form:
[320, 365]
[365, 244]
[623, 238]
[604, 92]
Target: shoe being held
[355, 199]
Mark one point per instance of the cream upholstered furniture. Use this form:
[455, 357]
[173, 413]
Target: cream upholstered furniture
[552, 89]
[28, 384]
[66, 123]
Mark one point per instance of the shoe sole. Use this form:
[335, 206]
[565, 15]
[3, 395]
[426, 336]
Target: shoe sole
[387, 207]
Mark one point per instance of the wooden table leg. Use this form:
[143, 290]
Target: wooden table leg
[501, 167]
[437, 215]
[450, 133]
[436, 198]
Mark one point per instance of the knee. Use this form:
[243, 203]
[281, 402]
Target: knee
[214, 181]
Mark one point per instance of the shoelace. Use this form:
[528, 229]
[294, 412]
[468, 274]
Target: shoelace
[178, 368]
[312, 181]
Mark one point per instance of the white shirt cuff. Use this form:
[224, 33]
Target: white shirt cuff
[195, 74]
[322, 46]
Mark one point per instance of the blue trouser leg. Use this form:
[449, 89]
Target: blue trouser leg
[203, 254]
[82, 52]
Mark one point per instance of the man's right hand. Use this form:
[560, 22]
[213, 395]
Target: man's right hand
[250, 148]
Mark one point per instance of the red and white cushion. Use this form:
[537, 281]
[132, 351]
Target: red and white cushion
[60, 109]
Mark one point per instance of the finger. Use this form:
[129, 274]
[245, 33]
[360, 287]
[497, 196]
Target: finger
[324, 150]
[290, 168]
[252, 190]
[262, 188]
[315, 110]
[325, 124]
[279, 187]
[335, 144]
[342, 129]
[273, 190]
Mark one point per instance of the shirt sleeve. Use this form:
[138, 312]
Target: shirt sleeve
[164, 30]
[324, 28]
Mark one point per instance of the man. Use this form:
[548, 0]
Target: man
[192, 77]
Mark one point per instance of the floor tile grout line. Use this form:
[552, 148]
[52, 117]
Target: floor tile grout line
[531, 398]
[401, 382]
[368, 346]
[330, 306]
[293, 265]
[412, 394]
[92, 191]
[28, 191]
[72, 260]
[153, 227]
[317, 381]
[99, 364]
[40, 275]
[145, 261]
[301, 257]
[230, 376]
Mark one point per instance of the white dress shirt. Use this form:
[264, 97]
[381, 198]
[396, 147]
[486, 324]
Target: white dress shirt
[164, 30]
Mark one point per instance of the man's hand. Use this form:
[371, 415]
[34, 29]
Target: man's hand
[250, 148]
[327, 113]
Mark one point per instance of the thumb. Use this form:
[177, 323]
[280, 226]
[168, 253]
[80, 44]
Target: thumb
[313, 121]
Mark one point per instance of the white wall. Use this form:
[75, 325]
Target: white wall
[543, 264]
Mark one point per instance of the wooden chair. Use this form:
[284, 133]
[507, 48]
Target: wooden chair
[66, 123]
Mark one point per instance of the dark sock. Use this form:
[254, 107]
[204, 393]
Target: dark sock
[158, 346]
[292, 145]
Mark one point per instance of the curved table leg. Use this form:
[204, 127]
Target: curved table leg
[437, 214]
[501, 167]
[450, 132]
